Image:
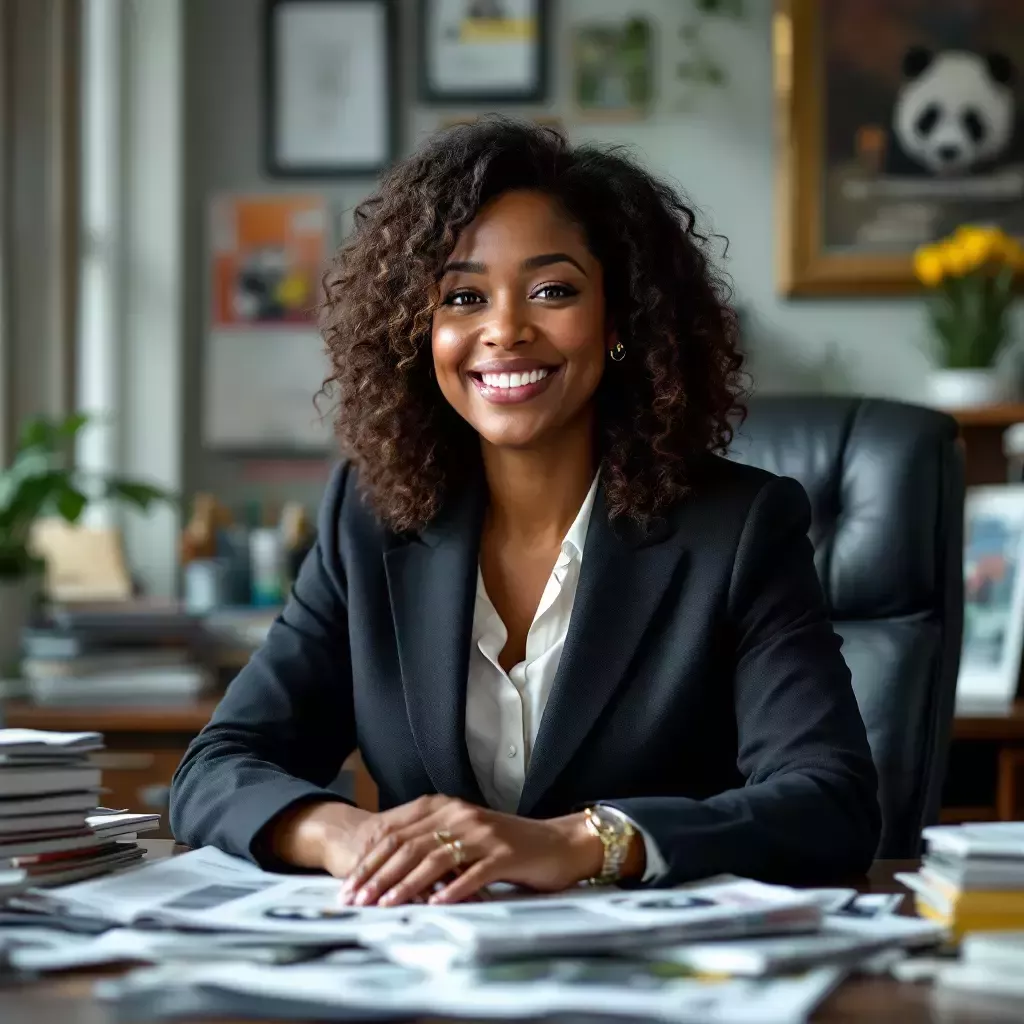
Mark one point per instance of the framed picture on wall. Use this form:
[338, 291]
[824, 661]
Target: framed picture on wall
[331, 96]
[613, 69]
[483, 51]
[898, 122]
[993, 595]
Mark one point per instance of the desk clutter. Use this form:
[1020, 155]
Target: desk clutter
[725, 949]
[51, 830]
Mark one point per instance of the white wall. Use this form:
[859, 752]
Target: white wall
[721, 153]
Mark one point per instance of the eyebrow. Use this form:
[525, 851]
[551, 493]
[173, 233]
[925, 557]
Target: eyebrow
[532, 263]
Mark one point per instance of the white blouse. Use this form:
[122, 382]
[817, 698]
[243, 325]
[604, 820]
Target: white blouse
[504, 709]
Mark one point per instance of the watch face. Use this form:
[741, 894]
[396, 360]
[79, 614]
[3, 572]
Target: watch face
[609, 820]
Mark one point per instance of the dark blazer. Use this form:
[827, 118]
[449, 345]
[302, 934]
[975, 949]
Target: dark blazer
[701, 688]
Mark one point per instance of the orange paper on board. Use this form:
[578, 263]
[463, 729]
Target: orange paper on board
[268, 260]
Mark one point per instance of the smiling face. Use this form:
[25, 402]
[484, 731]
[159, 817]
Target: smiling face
[520, 336]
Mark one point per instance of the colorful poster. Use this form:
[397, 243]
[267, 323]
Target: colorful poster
[268, 257]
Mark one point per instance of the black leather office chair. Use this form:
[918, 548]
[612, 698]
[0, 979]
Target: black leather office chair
[886, 486]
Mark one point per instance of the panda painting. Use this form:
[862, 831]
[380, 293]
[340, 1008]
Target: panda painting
[953, 115]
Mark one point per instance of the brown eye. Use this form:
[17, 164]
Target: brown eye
[462, 297]
[555, 291]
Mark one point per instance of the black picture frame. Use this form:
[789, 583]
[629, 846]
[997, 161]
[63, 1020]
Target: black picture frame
[537, 93]
[278, 167]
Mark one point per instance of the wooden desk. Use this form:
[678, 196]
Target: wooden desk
[67, 998]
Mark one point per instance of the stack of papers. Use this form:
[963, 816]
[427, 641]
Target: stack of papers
[212, 891]
[972, 877]
[727, 949]
[50, 831]
[592, 923]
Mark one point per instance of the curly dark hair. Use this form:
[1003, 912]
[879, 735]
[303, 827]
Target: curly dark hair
[671, 399]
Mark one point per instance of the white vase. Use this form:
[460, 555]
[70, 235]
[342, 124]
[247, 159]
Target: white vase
[17, 601]
[965, 389]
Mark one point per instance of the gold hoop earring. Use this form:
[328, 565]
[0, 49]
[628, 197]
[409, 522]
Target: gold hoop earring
[618, 352]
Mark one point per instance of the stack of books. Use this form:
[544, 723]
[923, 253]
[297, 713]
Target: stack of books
[972, 877]
[51, 831]
[130, 653]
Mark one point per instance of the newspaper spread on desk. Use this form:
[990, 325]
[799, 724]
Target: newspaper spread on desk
[353, 982]
[209, 890]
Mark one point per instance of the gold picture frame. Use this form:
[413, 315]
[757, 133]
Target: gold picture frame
[809, 259]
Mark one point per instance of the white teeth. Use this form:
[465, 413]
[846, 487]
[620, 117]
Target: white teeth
[507, 381]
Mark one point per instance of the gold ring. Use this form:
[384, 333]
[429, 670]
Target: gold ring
[457, 852]
[452, 845]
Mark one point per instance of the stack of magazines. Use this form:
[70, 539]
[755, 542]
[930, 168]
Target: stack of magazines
[51, 831]
[972, 877]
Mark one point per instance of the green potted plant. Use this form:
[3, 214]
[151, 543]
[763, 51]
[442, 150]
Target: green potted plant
[40, 482]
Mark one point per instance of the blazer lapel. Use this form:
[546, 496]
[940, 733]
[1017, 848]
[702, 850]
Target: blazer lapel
[623, 577]
[432, 584]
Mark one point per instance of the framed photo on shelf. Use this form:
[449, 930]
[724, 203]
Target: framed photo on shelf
[483, 51]
[993, 636]
[897, 123]
[613, 69]
[330, 107]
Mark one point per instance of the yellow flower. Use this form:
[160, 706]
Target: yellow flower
[982, 245]
[954, 258]
[928, 265]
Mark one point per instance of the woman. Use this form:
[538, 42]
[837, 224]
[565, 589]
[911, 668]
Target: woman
[569, 640]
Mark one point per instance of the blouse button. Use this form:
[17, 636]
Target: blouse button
[511, 751]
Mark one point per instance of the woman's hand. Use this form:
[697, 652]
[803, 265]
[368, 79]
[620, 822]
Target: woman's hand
[323, 835]
[401, 858]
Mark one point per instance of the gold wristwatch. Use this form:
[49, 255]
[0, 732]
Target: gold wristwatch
[615, 832]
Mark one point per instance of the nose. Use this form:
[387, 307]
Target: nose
[509, 326]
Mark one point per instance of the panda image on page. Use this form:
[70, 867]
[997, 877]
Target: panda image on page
[954, 113]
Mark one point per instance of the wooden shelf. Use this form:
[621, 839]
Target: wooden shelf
[960, 815]
[111, 718]
[981, 722]
[990, 415]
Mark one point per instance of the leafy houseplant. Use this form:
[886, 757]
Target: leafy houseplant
[970, 275]
[39, 482]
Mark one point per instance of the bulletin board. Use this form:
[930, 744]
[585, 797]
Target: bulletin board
[264, 359]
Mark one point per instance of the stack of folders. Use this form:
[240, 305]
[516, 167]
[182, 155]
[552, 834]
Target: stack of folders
[51, 831]
[972, 877]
